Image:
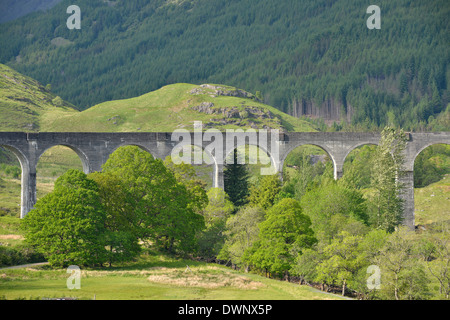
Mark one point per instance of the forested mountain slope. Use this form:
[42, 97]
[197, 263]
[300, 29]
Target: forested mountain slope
[311, 57]
[13, 9]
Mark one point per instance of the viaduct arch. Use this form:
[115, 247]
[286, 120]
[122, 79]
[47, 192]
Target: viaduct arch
[94, 149]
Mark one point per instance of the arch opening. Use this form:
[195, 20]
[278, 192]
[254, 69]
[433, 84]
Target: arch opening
[357, 168]
[431, 164]
[305, 166]
[204, 164]
[245, 167]
[432, 187]
[53, 163]
[257, 160]
[13, 177]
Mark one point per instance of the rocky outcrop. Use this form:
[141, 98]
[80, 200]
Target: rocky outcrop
[242, 112]
[254, 117]
[215, 90]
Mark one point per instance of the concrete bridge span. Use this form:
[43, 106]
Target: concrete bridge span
[94, 149]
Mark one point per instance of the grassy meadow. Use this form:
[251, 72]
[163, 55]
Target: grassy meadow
[432, 203]
[154, 277]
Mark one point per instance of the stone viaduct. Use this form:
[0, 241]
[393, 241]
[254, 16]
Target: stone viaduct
[95, 148]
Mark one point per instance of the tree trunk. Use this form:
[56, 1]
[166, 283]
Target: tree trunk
[171, 244]
[396, 287]
[343, 288]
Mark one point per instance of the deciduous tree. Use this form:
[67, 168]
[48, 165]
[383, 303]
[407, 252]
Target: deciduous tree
[285, 232]
[68, 224]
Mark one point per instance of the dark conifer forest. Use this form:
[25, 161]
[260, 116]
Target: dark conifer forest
[307, 58]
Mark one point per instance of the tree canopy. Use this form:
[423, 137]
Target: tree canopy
[68, 225]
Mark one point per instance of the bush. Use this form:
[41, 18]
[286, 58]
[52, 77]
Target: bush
[21, 254]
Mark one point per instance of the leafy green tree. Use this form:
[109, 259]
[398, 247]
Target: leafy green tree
[121, 236]
[242, 231]
[285, 232]
[402, 275]
[163, 206]
[216, 213]
[219, 207]
[342, 260]
[264, 192]
[332, 208]
[68, 224]
[435, 250]
[185, 173]
[305, 265]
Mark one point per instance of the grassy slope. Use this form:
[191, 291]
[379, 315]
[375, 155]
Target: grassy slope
[25, 105]
[166, 110]
[432, 203]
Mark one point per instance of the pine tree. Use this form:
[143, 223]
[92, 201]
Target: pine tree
[386, 179]
[236, 181]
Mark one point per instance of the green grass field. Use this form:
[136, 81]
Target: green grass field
[153, 277]
[432, 203]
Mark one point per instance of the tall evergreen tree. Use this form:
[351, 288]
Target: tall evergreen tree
[386, 179]
[236, 181]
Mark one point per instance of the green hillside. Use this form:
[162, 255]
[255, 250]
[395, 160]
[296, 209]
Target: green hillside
[432, 204]
[26, 105]
[13, 9]
[315, 58]
[177, 106]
